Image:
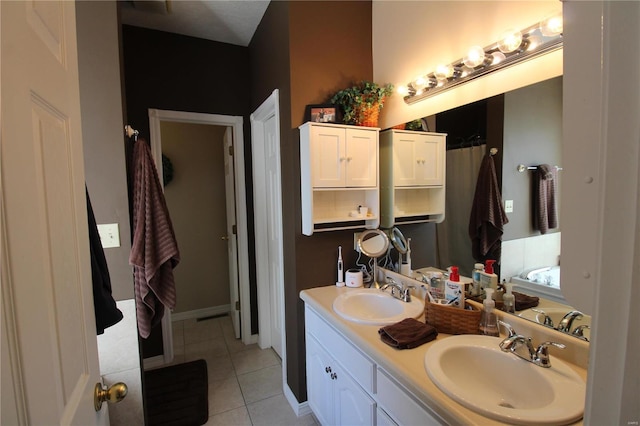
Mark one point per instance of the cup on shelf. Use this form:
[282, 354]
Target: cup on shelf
[363, 211]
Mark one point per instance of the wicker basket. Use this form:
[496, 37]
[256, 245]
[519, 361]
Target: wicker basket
[368, 117]
[450, 320]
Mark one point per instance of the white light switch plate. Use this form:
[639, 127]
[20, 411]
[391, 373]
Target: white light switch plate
[109, 235]
[508, 206]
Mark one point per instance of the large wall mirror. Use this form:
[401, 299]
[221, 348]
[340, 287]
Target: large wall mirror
[525, 125]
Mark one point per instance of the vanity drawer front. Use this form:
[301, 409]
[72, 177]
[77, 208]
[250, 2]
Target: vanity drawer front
[401, 405]
[355, 362]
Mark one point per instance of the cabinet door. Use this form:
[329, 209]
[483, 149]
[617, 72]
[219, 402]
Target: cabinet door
[429, 152]
[353, 406]
[319, 382]
[361, 158]
[328, 157]
[418, 160]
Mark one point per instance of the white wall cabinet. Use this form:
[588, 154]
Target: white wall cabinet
[339, 172]
[345, 387]
[412, 177]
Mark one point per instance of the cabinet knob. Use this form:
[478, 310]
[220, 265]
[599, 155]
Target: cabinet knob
[334, 376]
[327, 369]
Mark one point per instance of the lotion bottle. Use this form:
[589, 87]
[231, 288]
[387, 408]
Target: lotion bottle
[454, 289]
[487, 278]
[477, 268]
[488, 320]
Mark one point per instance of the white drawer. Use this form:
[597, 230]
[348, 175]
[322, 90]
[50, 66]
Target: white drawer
[401, 405]
[352, 360]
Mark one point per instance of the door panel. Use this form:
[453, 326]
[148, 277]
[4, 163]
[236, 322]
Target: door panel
[55, 360]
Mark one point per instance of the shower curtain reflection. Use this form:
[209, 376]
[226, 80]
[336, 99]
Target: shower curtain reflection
[453, 242]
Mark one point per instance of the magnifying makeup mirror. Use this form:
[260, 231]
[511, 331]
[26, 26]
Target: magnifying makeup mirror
[373, 243]
[397, 240]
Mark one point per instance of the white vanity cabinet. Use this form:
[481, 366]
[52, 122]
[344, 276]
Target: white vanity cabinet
[346, 387]
[412, 177]
[335, 396]
[339, 173]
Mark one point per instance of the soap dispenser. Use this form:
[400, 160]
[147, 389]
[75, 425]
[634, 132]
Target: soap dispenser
[488, 320]
[508, 299]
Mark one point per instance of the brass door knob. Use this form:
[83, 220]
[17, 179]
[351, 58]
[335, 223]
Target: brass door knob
[115, 393]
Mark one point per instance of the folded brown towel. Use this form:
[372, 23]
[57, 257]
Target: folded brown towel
[524, 301]
[407, 334]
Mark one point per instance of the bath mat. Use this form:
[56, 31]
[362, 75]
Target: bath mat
[177, 395]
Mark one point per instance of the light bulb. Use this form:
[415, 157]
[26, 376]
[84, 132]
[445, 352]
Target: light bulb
[475, 57]
[419, 83]
[534, 41]
[443, 72]
[403, 90]
[551, 26]
[497, 58]
[510, 41]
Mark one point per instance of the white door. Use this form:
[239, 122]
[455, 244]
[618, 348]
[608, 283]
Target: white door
[232, 242]
[274, 231]
[48, 323]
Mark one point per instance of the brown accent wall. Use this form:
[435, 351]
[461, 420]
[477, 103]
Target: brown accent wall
[181, 73]
[309, 50]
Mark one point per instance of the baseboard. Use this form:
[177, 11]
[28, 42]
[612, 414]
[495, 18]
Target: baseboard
[299, 408]
[201, 313]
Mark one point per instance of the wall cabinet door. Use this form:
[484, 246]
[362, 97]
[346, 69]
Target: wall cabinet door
[418, 159]
[362, 158]
[328, 157]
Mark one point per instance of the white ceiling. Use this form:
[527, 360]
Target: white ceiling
[227, 21]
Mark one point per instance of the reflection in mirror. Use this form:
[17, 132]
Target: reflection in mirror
[525, 125]
[373, 243]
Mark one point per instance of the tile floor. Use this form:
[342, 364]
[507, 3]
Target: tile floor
[245, 382]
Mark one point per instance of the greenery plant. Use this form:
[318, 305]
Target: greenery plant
[354, 100]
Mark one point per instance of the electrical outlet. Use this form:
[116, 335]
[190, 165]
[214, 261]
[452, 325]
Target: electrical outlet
[508, 206]
[356, 237]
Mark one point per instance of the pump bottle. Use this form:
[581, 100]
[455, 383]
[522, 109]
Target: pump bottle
[487, 278]
[508, 299]
[454, 289]
[488, 320]
[475, 289]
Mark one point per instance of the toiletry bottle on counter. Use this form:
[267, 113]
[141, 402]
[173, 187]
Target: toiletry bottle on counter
[454, 289]
[405, 267]
[477, 268]
[508, 299]
[488, 320]
[436, 286]
[487, 278]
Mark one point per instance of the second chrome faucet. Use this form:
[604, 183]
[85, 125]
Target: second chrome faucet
[538, 356]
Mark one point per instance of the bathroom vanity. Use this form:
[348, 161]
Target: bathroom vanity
[354, 378]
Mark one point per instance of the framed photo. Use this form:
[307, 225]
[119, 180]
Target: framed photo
[322, 113]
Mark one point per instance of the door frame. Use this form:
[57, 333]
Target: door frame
[270, 107]
[235, 122]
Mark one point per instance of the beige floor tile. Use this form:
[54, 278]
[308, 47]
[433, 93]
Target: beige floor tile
[235, 417]
[235, 345]
[254, 359]
[224, 395]
[261, 384]
[215, 347]
[276, 411]
[197, 331]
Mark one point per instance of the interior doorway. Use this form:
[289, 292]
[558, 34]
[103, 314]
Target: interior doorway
[236, 235]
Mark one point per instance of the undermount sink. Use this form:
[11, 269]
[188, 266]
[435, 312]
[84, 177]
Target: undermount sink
[476, 373]
[375, 307]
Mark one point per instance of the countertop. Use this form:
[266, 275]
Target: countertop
[406, 366]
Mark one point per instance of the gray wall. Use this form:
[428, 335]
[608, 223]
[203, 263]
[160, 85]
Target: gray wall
[532, 136]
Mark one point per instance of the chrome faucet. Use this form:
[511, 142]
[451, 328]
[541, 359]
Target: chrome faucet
[547, 319]
[567, 321]
[398, 291]
[579, 332]
[538, 356]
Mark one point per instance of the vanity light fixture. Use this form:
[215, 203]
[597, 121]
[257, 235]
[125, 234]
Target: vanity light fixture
[514, 47]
